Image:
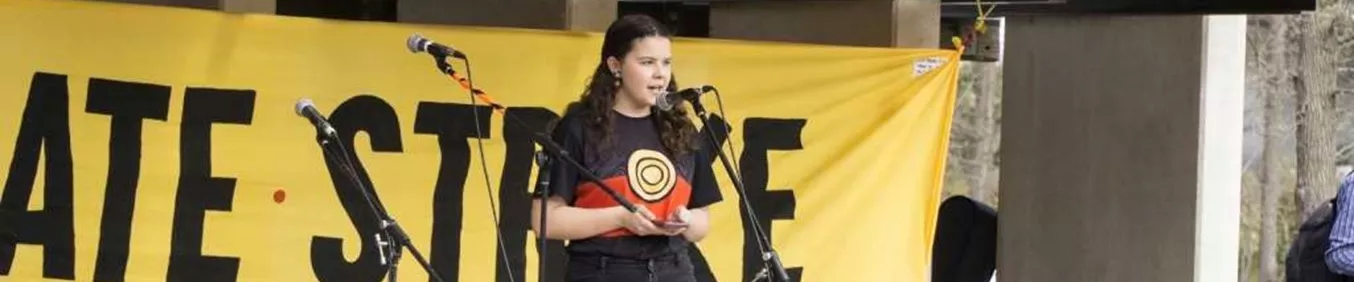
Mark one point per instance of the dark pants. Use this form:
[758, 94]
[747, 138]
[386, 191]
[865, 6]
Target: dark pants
[671, 268]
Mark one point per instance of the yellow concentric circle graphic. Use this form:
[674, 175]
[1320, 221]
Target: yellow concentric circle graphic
[651, 175]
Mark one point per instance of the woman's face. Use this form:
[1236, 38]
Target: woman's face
[645, 71]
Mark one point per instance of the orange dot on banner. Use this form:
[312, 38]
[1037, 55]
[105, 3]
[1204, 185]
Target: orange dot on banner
[279, 195]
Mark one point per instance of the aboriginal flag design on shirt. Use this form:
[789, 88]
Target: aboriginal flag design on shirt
[640, 168]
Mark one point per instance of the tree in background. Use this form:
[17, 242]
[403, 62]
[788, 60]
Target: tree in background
[1269, 77]
[975, 134]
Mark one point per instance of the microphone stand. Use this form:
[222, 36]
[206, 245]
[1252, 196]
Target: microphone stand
[553, 149]
[392, 246]
[543, 186]
[770, 259]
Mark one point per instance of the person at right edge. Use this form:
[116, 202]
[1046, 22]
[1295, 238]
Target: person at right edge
[1340, 256]
[652, 157]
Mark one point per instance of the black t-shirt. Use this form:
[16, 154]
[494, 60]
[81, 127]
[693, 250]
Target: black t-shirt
[639, 167]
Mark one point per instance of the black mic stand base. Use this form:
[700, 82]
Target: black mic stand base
[771, 260]
[399, 243]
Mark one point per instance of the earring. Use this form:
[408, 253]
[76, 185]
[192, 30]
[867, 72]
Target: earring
[617, 75]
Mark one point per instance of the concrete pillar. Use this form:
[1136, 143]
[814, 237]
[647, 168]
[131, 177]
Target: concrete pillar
[578, 15]
[878, 23]
[1121, 145]
[1217, 235]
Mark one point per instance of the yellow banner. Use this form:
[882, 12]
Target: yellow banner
[153, 144]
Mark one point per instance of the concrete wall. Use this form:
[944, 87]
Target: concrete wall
[916, 23]
[805, 22]
[546, 14]
[878, 23]
[590, 15]
[1104, 174]
[888, 23]
[578, 15]
[234, 6]
[200, 4]
[881, 23]
[249, 6]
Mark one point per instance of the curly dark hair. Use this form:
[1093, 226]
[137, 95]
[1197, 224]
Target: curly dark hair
[595, 105]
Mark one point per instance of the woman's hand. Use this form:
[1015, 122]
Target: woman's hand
[640, 222]
[682, 218]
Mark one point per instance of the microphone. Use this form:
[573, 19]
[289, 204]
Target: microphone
[667, 100]
[417, 44]
[306, 108]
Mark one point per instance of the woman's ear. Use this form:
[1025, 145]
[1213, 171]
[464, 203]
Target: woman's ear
[614, 65]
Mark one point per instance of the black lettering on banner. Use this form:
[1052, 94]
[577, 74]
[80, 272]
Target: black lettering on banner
[45, 126]
[128, 103]
[453, 124]
[763, 135]
[515, 196]
[198, 190]
[377, 118]
[721, 130]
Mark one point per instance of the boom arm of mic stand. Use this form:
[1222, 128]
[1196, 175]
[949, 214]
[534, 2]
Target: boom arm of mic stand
[550, 146]
[394, 233]
[558, 153]
[770, 258]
